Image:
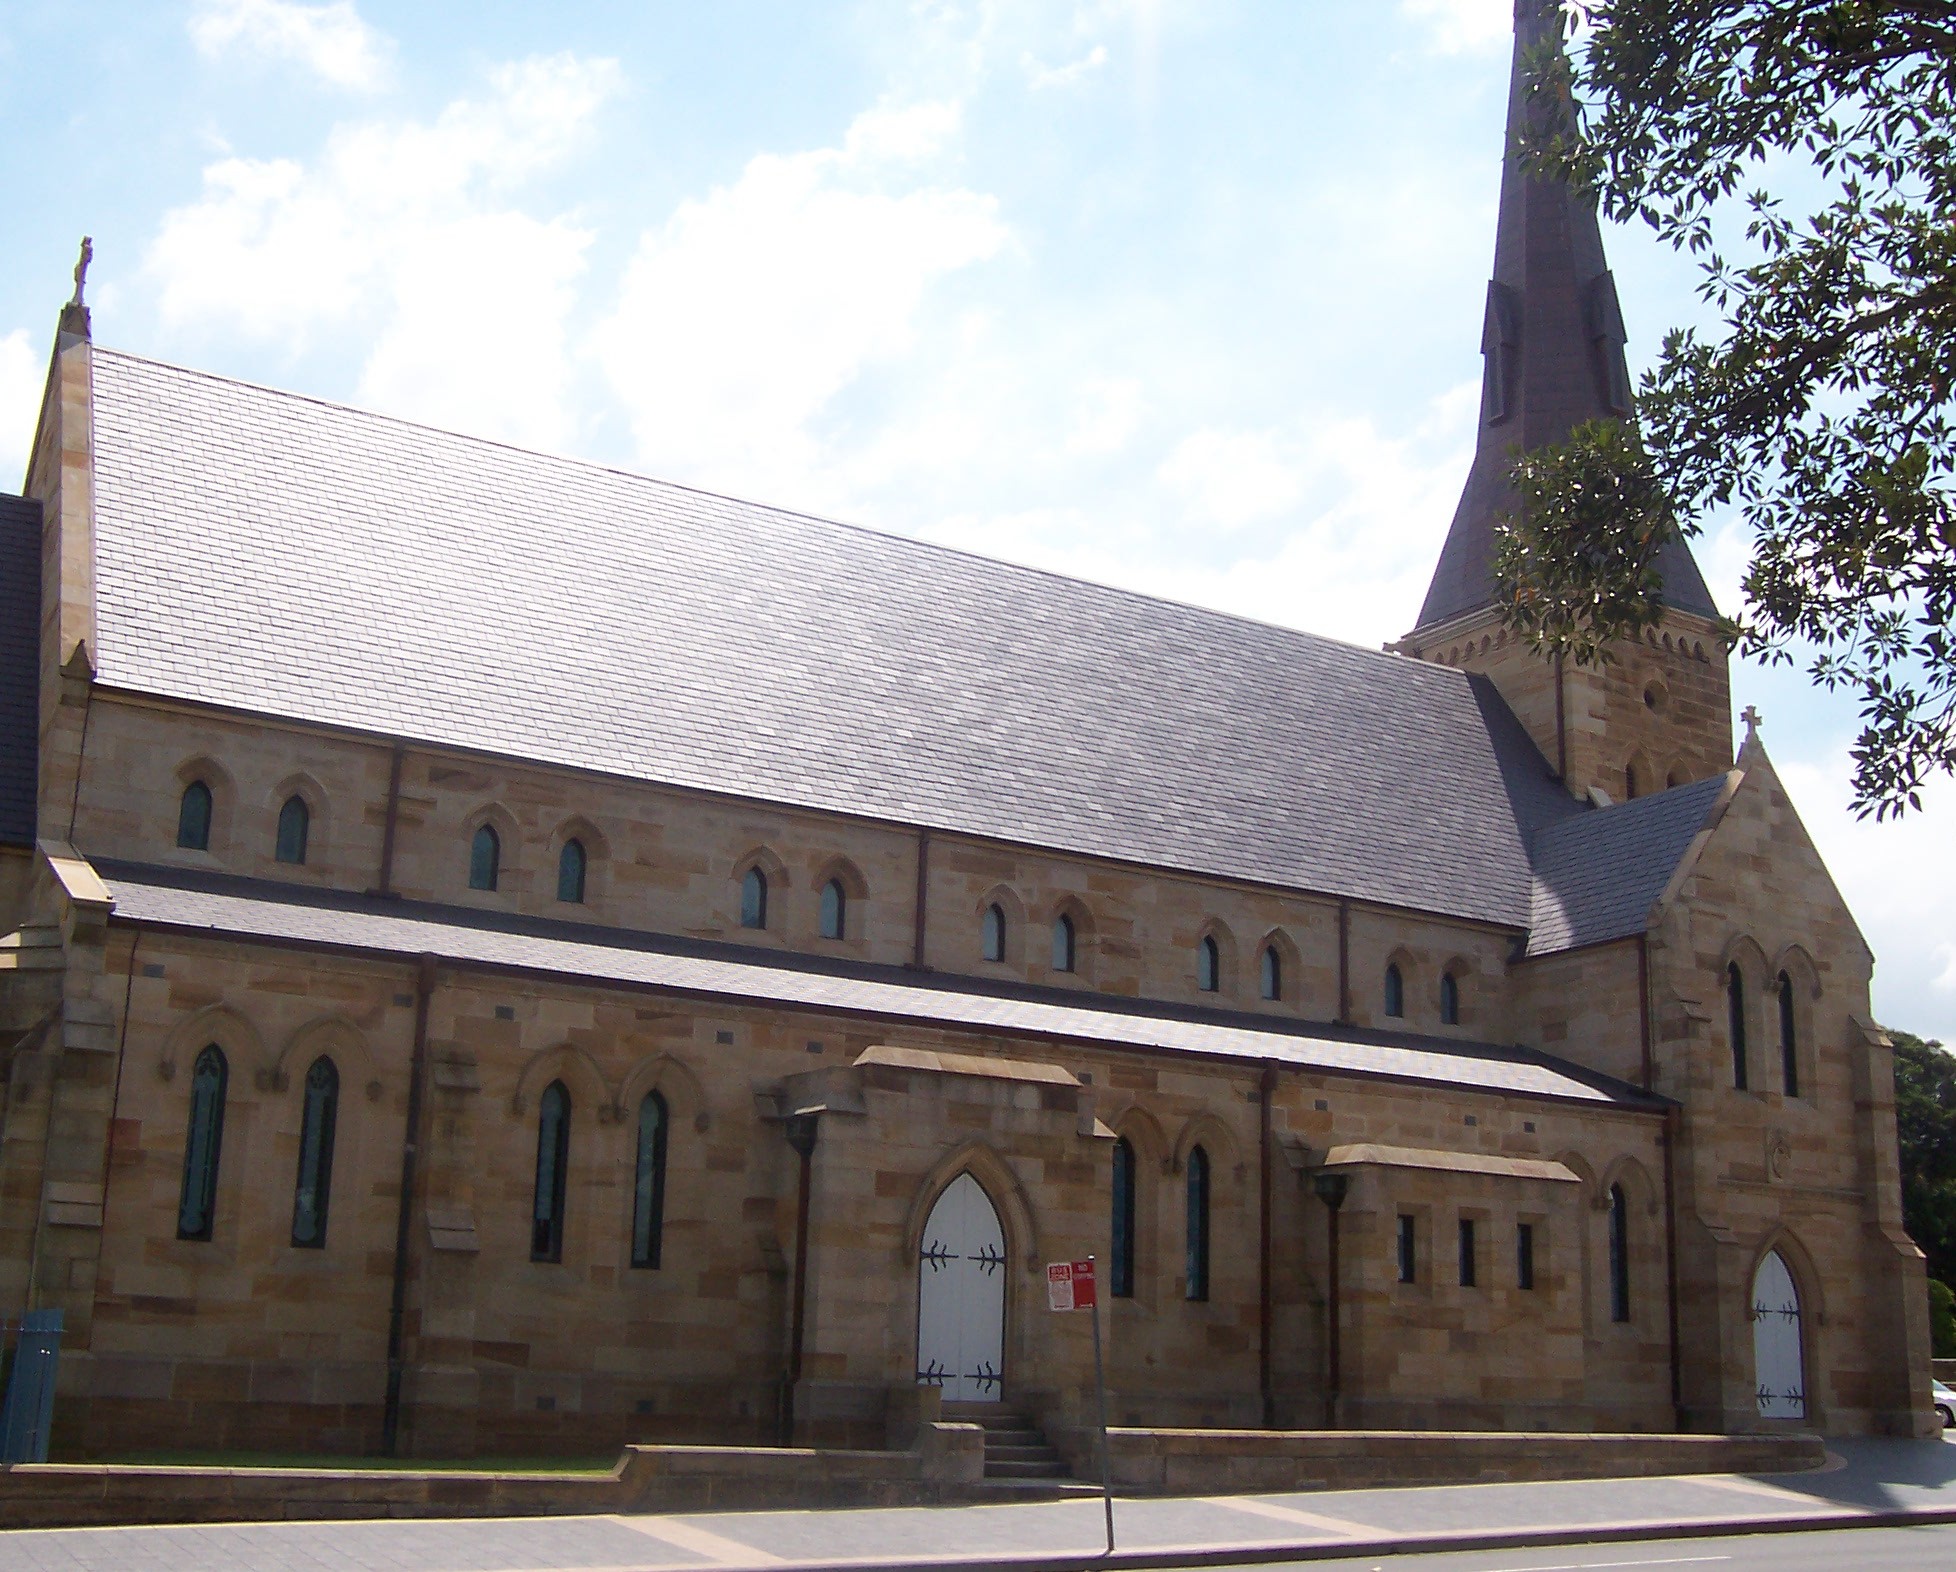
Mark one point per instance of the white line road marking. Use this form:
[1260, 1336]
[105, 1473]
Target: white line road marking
[1283, 1514]
[701, 1541]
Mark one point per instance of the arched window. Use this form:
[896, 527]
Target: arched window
[1271, 970]
[485, 858]
[294, 828]
[1208, 964]
[835, 910]
[1120, 1253]
[1196, 1282]
[194, 818]
[1063, 943]
[991, 932]
[1629, 782]
[570, 873]
[1735, 1021]
[553, 1157]
[315, 1185]
[1619, 1254]
[649, 1189]
[1395, 991]
[1449, 999]
[197, 1208]
[753, 899]
[1789, 1059]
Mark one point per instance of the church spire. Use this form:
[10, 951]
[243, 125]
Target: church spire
[1552, 341]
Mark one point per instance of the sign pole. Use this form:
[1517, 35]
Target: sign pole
[1100, 1395]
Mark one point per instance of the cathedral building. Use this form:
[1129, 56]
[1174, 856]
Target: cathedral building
[502, 954]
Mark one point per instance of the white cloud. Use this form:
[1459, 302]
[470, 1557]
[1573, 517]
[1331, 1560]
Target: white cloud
[1107, 411]
[409, 234]
[331, 41]
[22, 376]
[1040, 76]
[1899, 878]
[742, 318]
[1457, 27]
[1233, 478]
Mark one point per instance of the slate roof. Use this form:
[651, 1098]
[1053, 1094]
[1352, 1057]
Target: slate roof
[276, 554]
[1596, 875]
[252, 910]
[1553, 337]
[20, 646]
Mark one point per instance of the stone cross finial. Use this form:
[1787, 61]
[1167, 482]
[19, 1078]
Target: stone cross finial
[1750, 715]
[81, 269]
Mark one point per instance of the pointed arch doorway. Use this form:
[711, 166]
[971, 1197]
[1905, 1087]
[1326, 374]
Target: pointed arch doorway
[961, 1296]
[1778, 1350]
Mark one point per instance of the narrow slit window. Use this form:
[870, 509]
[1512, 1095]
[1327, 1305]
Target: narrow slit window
[992, 933]
[1196, 1282]
[753, 899]
[1449, 999]
[1619, 1254]
[649, 1189]
[553, 1157]
[197, 1205]
[1271, 969]
[1395, 991]
[1735, 1022]
[1120, 1274]
[317, 1123]
[1789, 1054]
[1408, 1252]
[1469, 1273]
[835, 910]
[194, 818]
[485, 858]
[1525, 1256]
[294, 829]
[1063, 944]
[1208, 965]
[571, 864]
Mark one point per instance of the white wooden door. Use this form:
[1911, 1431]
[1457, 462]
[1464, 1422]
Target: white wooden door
[1778, 1359]
[961, 1296]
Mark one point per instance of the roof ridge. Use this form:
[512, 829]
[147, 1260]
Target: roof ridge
[881, 533]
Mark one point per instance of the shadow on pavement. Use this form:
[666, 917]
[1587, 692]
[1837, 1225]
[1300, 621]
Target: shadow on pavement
[1881, 1474]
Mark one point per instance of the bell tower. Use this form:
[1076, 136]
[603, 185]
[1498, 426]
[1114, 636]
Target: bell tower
[1552, 342]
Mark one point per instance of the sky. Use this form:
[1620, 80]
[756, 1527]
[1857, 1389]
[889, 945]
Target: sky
[1180, 295]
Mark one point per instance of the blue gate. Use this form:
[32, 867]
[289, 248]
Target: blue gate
[28, 1408]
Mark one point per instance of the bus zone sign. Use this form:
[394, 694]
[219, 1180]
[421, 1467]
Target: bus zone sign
[1069, 1285]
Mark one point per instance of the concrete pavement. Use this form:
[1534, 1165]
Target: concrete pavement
[1871, 1483]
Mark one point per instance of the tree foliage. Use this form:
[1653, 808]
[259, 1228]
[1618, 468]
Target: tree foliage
[1822, 408]
[1925, 1125]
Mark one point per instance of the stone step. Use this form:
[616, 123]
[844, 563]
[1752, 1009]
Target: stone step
[1023, 1452]
[1035, 1489]
[1052, 1470]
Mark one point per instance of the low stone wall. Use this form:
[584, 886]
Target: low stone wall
[947, 1465]
[1219, 1462]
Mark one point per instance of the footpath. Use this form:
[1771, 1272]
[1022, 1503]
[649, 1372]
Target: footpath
[1869, 1483]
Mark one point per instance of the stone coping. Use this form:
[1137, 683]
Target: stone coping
[1368, 1153]
[1221, 1462]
